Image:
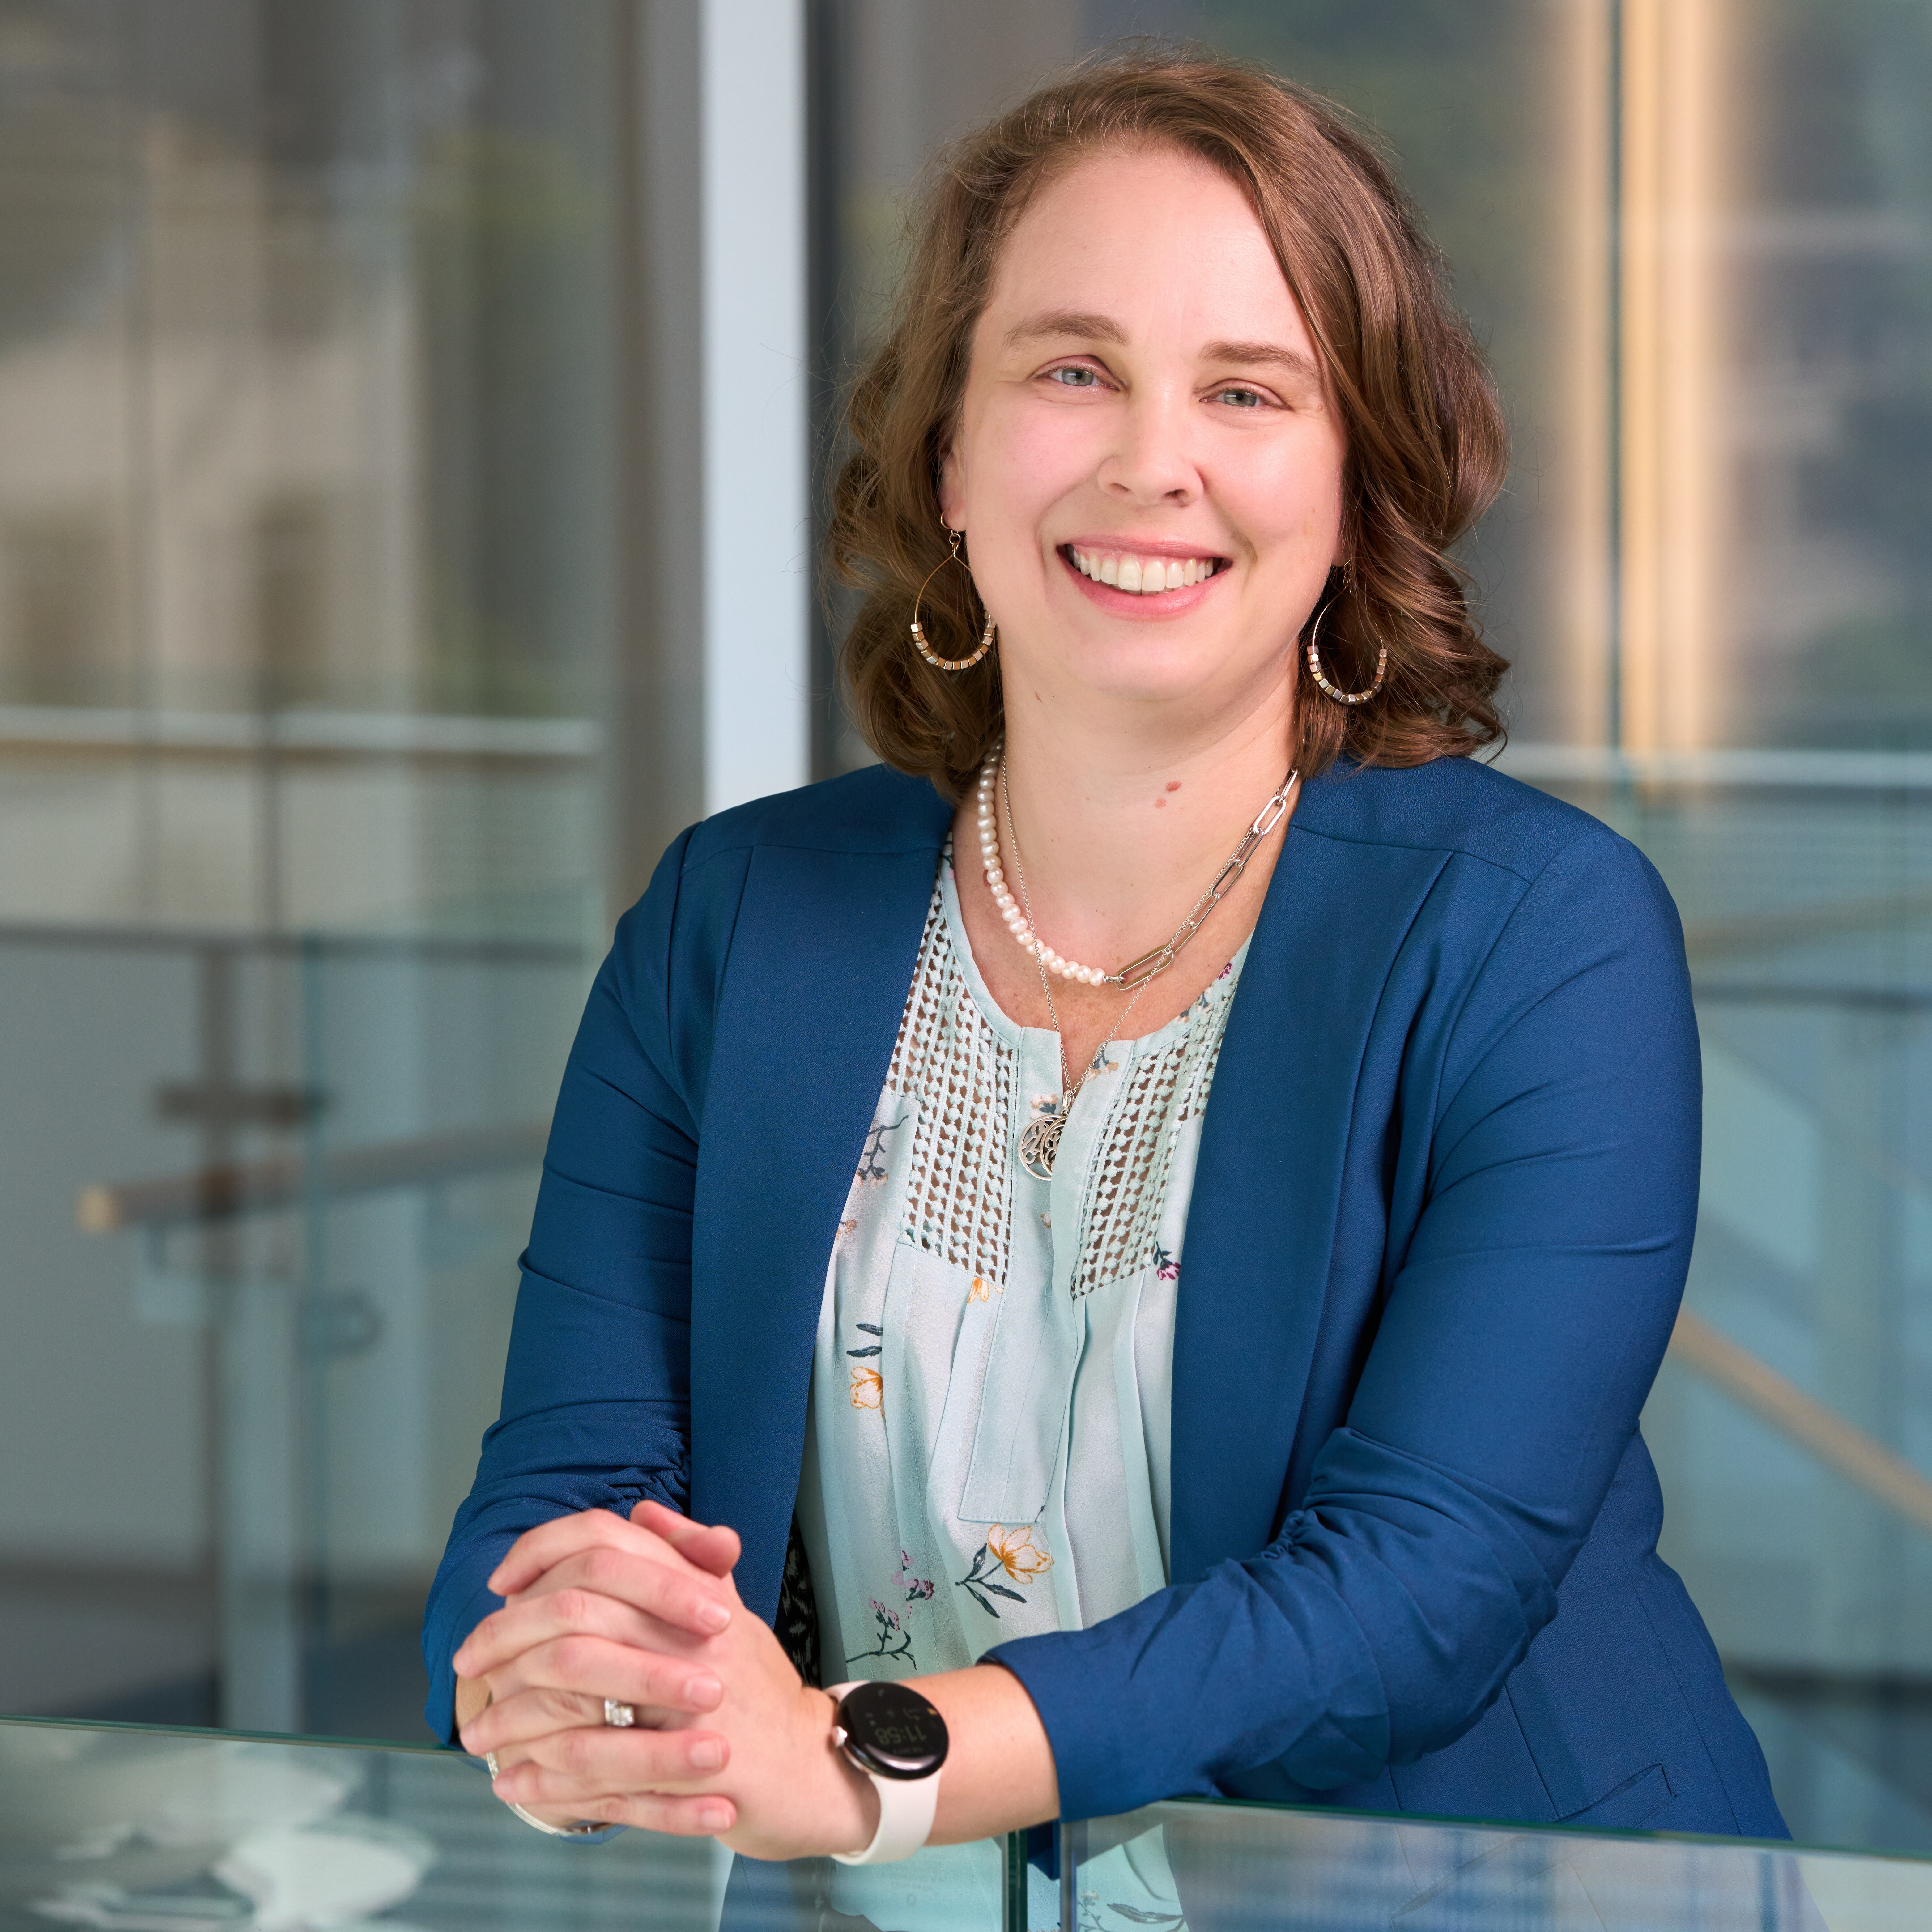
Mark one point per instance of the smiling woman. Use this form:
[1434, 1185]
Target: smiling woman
[1213, 1248]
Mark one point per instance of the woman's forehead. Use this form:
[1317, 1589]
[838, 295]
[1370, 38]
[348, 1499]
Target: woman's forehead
[1136, 246]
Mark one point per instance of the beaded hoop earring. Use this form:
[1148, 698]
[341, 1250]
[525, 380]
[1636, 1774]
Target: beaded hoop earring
[1315, 671]
[918, 643]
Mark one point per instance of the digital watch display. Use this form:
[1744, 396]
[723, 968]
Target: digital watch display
[892, 1731]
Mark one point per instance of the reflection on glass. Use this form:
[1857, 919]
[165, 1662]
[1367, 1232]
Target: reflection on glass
[1229, 1866]
[140, 1828]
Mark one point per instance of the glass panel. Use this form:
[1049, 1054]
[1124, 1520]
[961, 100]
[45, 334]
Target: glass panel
[308, 581]
[144, 1828]
[1224, 1866]
[147, 1828]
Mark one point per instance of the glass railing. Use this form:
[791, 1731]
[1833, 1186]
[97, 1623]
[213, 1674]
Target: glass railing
[274, 1189]
[121, 1827]
[1793, 1424]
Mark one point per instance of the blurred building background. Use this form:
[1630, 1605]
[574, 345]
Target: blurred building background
[413, 423]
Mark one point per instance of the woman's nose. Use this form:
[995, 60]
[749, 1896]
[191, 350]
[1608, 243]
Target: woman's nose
[1152, 462]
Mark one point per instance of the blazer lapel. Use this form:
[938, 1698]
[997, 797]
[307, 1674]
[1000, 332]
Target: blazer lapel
[1261, 1223]
[821, 958]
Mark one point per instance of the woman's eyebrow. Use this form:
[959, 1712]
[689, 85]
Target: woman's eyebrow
[1081, 324]
[1292, 360]
[1063, 321]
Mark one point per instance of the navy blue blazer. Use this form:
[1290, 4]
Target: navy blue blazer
[1443, 1212]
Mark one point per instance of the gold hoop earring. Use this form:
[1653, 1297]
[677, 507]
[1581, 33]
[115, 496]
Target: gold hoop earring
[1315, 671]
[919, 643]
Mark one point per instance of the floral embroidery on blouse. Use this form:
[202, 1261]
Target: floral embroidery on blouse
[1165, 1265]
[981, 1288]
[892, 1639]
[872, 1169]
[1009, 1553]
[869, 1386]
[918, 1589]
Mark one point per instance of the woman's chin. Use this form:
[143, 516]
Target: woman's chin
[1189, 683]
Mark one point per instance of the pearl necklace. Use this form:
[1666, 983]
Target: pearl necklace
[1158, 959]
[1040, 1140]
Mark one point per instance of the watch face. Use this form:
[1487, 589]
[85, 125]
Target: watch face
[890, 1730]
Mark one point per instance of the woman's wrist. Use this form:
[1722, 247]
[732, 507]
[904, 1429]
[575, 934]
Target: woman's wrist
[999, 1774]
[472, 1699]
[853, 1808]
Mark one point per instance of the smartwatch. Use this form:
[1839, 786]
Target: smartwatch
[891, 1734]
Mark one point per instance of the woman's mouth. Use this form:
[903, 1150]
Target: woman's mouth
[1138, 574]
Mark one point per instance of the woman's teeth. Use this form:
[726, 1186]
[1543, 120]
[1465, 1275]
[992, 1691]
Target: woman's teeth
[1143, 575]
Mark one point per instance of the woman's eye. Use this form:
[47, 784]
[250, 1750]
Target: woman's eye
[1242, 399]
[1074, 378]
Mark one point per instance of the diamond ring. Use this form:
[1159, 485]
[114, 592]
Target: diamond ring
[619, 1716]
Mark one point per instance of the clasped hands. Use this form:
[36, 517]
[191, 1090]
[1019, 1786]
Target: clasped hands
[730, 1743]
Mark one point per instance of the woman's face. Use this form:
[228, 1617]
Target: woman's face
[1144, 407]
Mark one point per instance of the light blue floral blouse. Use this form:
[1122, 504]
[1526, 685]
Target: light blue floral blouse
[987, 1445]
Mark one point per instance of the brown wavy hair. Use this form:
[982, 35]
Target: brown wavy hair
[1426, 447]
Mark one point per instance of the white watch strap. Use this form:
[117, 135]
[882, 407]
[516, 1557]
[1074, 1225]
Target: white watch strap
[906, 1807]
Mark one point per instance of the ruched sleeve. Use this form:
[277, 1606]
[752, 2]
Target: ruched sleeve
[1523, 1322]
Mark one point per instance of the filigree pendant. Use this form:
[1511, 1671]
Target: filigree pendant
[1040, 1142]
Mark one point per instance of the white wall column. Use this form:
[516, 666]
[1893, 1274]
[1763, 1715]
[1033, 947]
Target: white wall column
[756, 457]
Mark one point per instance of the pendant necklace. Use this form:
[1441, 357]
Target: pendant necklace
[1039, 1139]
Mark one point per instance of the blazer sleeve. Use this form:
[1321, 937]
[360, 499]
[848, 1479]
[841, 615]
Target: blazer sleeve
[1523, 1326]
[596, 1393]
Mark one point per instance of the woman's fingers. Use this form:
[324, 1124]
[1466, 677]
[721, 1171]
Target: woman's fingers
[703, 1817]
[556, 1685]
[714, 1548]
[516, 1716]
[695, 1607]
[514, 1721]
[571, 1767]
[602, 1593]
[542, 1548]
[548, 1615]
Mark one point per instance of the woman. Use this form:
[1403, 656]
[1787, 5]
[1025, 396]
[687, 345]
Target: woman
[1225, 1374]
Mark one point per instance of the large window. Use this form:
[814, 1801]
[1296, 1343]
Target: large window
[310, 472]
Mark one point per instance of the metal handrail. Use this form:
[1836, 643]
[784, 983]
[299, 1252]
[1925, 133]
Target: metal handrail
[1756, 1385]
[224, 1193]
[419, 948]
[215, 1194]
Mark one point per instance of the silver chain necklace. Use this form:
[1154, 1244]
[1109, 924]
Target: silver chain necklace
[1039, 1139]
